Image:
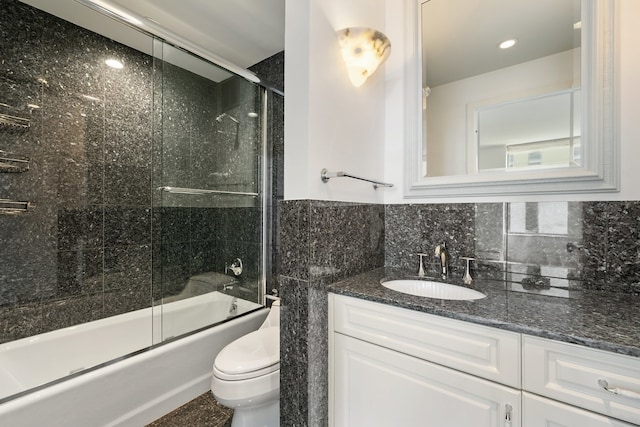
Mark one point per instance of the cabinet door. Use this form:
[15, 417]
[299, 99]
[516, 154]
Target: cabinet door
[374, 386]
[540, 412]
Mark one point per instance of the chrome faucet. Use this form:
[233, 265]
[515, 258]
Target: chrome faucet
[443, 255]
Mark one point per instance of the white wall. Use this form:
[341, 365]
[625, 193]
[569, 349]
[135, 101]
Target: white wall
[329, 123]
[447, 105]
[629, 92]
[361, 130]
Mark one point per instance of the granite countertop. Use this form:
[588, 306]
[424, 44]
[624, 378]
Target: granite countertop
[595, 319]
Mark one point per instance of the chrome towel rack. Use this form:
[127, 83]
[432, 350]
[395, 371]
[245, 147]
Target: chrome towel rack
[12, 163]
[8, 206]
[200, 191]
[325, 176]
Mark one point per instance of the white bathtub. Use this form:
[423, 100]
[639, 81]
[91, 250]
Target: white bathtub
[128, 392]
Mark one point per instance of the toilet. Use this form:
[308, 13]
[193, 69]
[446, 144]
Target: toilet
[246, 375]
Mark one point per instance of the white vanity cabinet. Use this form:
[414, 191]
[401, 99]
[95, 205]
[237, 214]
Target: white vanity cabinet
[390, 366]
[393, 367]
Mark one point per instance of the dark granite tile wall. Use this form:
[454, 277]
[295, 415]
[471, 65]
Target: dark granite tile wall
[86, 242]
[320, 242]
[99, 240]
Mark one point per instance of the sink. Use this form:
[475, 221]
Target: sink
[429, 289]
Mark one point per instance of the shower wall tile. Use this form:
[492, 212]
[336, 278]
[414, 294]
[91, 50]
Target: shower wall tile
[127, 226]
[79, 273]
[61, 313]
[94, 135]
[127, 185]
[80, 228]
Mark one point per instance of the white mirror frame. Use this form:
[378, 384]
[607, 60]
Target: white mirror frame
[600, 169]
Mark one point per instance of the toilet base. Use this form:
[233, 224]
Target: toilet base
[267, 415]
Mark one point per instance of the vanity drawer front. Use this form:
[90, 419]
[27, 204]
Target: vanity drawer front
[571, 373]
[486, 352]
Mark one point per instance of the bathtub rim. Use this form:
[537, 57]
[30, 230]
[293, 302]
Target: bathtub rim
[102, 365]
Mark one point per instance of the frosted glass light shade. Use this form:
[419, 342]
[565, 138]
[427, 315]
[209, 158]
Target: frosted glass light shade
[363, 50]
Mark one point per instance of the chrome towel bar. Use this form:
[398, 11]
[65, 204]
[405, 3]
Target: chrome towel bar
[199, 191]
[325, 175]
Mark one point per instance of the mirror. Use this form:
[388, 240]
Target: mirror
[533, 118]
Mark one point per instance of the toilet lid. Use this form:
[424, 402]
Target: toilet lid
[254, 354]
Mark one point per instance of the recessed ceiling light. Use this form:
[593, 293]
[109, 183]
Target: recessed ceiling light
[252, 114]
[507, 44]
[577, 25]
[114, 63]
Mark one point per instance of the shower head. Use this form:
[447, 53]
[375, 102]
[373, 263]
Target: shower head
[233, 119]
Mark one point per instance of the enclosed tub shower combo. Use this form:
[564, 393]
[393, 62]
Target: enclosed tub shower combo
[135, 213]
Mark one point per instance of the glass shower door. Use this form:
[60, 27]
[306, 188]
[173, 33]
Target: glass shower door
[208, 262]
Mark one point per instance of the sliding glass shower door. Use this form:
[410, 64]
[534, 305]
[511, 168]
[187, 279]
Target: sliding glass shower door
[208, 166]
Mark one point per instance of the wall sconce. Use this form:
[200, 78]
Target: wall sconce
[363, 50]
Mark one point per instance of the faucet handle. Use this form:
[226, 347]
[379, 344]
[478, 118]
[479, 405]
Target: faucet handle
[421, 272]
[467, 279]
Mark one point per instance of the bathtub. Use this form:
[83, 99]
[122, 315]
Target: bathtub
[101, 387]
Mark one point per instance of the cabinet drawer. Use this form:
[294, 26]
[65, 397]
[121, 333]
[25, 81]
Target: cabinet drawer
[541, 412]
[486, 352]
[571, 373]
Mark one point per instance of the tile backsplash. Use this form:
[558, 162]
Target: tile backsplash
[591, 245]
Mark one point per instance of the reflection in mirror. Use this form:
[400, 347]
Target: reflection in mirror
[539, 132]
[475, 125]
[506, 108]
[535, 247]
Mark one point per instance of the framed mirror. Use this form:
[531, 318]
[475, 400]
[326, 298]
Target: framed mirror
[538, 117]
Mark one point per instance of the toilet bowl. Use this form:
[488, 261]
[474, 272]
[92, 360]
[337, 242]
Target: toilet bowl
[246, 375]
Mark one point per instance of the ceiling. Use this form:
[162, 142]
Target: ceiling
[460, 38]
[243, 32]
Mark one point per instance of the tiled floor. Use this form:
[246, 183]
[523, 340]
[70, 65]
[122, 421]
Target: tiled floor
[202, 411]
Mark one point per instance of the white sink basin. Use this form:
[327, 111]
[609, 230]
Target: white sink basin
[426, 288]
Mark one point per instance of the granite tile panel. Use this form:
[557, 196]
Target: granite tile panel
[271, 70]
[293, 352]
[412, 229]
[345, 239]
[21, 321]
[21, 29]
[79, 273]
[127, 267]
[80, 228]
[127, 226]
[127, 185]
[71, 311]
[623, 252]
[318, 358]
[126, 301]
[293, 224]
